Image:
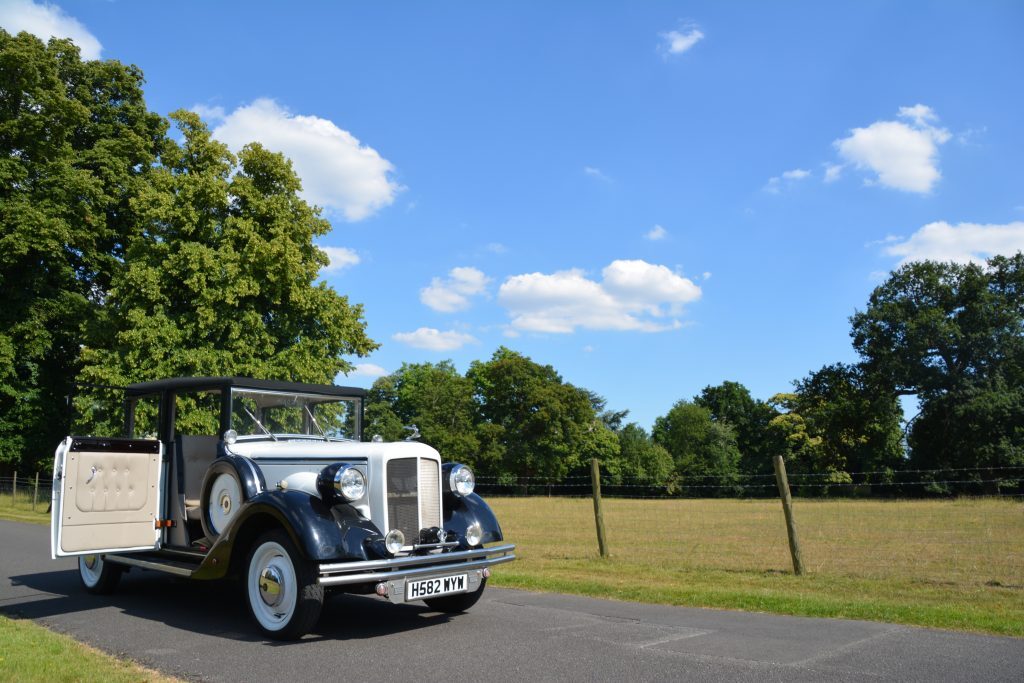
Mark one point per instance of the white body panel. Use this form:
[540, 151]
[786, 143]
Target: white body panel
[281, 460]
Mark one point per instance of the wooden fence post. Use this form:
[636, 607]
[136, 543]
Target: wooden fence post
[787, 508]
[14, 490]
[595, 477]
[35, 495]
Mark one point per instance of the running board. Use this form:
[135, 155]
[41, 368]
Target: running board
[149, 564]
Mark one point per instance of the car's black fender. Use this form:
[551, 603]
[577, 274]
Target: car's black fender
[322, 532]
[462, 511]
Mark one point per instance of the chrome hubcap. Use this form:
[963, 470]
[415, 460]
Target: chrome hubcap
[225, 503]
[271, 586]
[90, 561]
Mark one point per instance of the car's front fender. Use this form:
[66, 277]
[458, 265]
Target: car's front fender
[321, 532]
[462, 511]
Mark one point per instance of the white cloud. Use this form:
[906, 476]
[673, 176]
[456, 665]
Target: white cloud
[452, 294]
[209, 112]
[337, 171]
[47, 21]
[370, 370]
[595, 172]
[963, 243]
[633, 295]
[341, 258]
[656, 233]
[496, 248]
[775, 183]
[903, 156]
[678, 42]
[434, 340]
[832, 172]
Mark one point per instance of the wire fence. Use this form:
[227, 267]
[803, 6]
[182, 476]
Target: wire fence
[898, 526]
[26, 493]
[915, 483]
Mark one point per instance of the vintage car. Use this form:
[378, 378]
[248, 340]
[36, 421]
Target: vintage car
[272, 483]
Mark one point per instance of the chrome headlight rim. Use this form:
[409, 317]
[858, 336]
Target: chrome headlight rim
[461, 480]
[349, 483]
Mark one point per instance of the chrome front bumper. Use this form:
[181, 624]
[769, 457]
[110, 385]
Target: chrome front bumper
[394, 572]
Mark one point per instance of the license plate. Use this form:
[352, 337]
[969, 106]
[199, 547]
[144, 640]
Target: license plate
[431, 588]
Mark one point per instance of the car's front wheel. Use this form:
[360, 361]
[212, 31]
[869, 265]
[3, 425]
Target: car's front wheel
[281, 588]
[453, 604]
[98, 576]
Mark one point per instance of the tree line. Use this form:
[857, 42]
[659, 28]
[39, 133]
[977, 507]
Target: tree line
[130, 253]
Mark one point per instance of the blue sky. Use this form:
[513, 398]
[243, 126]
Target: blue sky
[651, 197]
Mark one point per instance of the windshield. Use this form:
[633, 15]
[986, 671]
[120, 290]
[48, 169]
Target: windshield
[287, 413]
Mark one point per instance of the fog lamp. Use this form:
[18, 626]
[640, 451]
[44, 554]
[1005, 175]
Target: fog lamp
[230, 436]
[394, 541]
[474, 534]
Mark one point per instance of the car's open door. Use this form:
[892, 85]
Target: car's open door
[106, 496]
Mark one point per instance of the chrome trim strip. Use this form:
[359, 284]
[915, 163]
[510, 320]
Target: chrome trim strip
[345, 567]
[434, 546]
[406, 573]
[145, 564]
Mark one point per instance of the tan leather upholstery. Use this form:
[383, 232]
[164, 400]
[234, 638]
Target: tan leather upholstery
[110, 500]
[198, 452]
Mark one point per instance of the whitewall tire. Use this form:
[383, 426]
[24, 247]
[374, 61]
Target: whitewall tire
[97, 575]
[281, 588]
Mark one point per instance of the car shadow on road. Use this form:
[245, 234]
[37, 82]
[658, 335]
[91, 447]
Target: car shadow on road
[214, 608]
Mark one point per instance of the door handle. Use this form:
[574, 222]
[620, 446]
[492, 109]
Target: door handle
[91, 476]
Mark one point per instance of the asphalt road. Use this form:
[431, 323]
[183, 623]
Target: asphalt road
[201, 631]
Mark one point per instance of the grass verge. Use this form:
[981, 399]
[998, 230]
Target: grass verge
[32, 653]
[20, 510]
[950, 564]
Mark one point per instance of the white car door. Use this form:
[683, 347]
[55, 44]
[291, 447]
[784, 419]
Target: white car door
[106, 496]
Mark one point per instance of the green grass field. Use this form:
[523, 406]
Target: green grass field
[956, 564]
[946, 564]
[31, 653]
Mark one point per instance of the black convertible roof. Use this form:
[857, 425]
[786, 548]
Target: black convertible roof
[201, 383]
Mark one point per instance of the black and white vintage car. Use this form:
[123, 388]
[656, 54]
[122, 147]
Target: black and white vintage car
[271, 482]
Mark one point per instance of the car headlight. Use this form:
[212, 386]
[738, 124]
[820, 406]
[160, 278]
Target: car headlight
[461, 480]
[350, 483]
[341, 482]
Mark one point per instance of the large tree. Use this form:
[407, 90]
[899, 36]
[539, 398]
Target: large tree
[438, 400]
[731, 403]
[704, 451]
[76, 146]
[223, 278]
[952, 334]
[540, 425]
[859, 425]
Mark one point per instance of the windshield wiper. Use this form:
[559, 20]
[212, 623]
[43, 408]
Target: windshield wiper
[315, 423]
[259, 424]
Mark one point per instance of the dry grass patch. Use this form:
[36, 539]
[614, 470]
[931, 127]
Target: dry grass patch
[949, 564]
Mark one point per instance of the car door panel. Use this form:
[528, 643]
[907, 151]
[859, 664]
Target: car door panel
[107, 495]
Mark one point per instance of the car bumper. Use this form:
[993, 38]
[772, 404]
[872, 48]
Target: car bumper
[394, 572]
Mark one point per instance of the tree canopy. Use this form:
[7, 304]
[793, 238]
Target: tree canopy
[126, 256]
[952, 334]
[76, 147]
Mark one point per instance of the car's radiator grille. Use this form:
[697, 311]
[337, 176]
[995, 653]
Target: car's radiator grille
[430, 493]
[403, 504]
